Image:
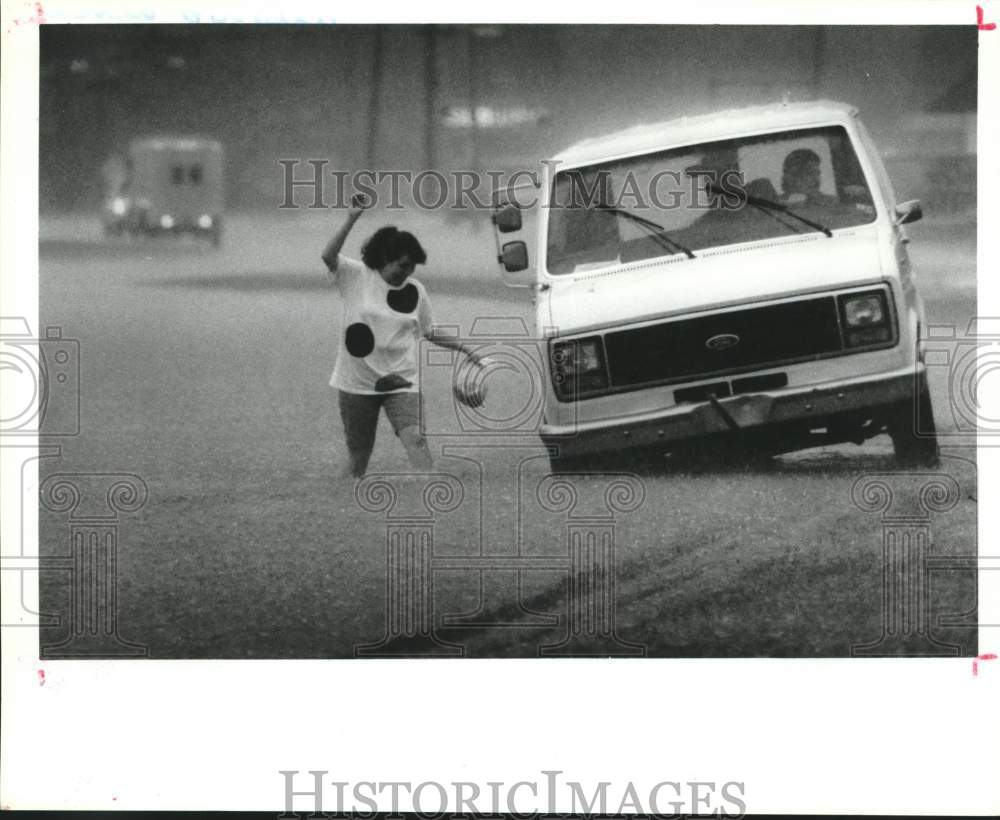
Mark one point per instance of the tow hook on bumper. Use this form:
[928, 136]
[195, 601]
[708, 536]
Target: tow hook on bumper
[728, 419]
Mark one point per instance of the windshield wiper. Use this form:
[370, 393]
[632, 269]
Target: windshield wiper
[658, 232]
[768, 206]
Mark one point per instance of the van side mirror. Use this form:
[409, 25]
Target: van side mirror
[907, 212]
[507, 218]
[514, 257]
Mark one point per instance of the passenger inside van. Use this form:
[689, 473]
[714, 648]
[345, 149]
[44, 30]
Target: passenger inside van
[801, 179]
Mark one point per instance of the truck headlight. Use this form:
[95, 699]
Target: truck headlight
[166, 221]
[205, 221]
[865, 318]
[578, 366]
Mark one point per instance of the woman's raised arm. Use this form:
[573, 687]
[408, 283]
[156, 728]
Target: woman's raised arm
[332, 249]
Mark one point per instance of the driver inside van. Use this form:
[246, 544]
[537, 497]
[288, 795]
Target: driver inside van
[801, 178]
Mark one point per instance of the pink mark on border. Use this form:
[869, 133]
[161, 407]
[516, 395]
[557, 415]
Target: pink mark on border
[988, 656]
[35, 19]
[979, 21]
[41, 677]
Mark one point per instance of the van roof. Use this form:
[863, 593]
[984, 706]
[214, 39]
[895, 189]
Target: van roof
[719, 125]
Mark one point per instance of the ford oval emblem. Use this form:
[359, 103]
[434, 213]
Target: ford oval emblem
[722, 341]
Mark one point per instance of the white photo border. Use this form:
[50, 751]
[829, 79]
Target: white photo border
[838, 736]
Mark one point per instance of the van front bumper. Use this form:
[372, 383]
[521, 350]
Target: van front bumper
[749, 411]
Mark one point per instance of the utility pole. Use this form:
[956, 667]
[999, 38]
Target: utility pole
[374, 99]
[819, 58]
[430, 94]
[471, 43]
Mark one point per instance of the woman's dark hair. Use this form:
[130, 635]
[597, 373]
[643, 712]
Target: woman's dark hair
[389, 244]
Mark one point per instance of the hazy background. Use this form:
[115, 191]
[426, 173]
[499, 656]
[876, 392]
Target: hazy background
[400, 96]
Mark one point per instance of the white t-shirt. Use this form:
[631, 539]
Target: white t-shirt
[381, 331]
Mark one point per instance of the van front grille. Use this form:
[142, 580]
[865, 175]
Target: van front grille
[723, 343]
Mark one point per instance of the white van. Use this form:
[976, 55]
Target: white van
[742, 274]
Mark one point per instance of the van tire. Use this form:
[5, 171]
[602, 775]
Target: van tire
[913, 447]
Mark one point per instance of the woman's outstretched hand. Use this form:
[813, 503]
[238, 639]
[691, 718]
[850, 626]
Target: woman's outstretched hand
[360, 203]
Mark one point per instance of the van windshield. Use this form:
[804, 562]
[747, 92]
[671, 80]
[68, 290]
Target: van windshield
[704, 196]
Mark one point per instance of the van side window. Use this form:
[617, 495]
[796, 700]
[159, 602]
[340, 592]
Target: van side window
[195, 174]
[177, 175]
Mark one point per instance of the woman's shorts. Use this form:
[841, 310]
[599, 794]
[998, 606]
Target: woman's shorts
[359, 413]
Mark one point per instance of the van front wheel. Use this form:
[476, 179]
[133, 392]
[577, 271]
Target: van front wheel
[911, 427]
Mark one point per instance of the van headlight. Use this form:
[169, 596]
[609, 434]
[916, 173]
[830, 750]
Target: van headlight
[119, 206]
[205, 221]
[865, 318]
[578, 366]
[166, 221]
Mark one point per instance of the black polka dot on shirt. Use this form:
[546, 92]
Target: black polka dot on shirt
[359, 340]
[403, 300]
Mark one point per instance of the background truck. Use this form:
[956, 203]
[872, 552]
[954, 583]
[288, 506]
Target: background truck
[171, 186]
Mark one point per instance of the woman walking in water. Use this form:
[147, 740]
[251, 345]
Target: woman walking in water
[386, 312]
